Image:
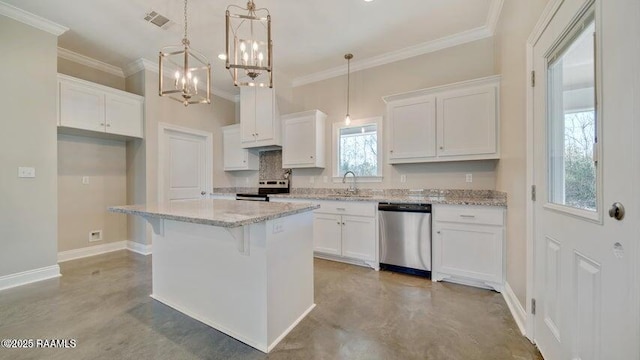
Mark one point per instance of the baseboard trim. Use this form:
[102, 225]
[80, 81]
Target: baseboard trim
[139, 248]
[91, 251]
[29, 276]
[517, 311]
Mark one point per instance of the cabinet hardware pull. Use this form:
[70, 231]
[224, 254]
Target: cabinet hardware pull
[311, 157]
[391, 151]
[441, 147]
[101, 124]
[108, 125]
[437, 232]
[343, 224]
[468, 216]
[338, 223]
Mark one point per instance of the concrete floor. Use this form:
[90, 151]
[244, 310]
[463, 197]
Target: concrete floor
[103, 302]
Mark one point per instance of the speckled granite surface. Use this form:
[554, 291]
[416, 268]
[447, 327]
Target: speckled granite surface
[429, 196]
[223, 213]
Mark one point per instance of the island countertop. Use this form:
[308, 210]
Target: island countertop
[223, 213]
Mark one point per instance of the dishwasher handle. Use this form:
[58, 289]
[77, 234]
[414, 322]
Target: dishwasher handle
[416, 208]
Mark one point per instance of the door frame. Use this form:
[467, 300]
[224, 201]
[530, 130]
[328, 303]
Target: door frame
[208, 136]
[545, 18]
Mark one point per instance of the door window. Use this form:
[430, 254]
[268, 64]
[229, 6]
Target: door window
[572, 120]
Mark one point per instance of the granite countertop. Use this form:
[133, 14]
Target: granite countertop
[223, 213]
[408, 199]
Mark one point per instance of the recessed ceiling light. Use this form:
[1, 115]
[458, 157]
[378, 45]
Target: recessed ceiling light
[222, 56]
[368, 0]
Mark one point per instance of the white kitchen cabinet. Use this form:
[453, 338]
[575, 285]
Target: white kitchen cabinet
[412, 126]
[303, 140]
[87, 106]
[345, 231]
[447, 123]
[467, 122]
[468, 245]
[327, 234]
[234, 156]
[259, 118]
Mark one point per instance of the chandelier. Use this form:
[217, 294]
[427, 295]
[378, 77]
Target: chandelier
[248, 46]
[188, 68]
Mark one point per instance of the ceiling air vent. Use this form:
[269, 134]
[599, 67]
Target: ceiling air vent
[157, 19]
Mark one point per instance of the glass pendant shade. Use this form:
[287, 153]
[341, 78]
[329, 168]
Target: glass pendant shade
[249, 46]
[188, 73]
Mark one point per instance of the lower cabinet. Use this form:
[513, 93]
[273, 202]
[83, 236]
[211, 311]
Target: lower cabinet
[469, 246]
[344, 231]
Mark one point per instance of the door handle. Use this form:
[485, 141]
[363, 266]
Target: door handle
[203, 193]
[617, 211]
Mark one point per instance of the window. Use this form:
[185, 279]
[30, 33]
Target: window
[357, 149]
[572, 120]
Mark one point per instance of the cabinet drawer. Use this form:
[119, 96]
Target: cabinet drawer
[469, 214]
[347, 208]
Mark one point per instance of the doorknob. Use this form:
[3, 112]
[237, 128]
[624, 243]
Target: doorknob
[617, 211]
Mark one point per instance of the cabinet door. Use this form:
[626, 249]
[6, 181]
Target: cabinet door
[470, 251]
[247, 114]
[123, 116]
[299, 144]
[412, 129]
[234, 156]
[81, 107]
[264, 113]
[327, 233]
[359, 237]
[467, 122]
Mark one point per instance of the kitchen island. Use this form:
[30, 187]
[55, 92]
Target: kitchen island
[244, 268]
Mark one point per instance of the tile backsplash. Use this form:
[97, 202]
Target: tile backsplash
[271, 165]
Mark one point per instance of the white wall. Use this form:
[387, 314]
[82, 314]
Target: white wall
[514, 27]
[82, 208]
[28, 207]
[463, 62]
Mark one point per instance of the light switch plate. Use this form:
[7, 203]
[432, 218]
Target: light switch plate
[26, 172]
[403, 178]
[85, 180]
[469, 178]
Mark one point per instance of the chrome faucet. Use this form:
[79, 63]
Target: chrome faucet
[352, 188]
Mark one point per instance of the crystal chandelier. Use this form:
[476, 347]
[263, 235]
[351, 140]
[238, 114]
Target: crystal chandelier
[188, 68]
[248, 46]
[348, 57]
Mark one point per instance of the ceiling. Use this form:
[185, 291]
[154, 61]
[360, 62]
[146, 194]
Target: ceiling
[310, 36]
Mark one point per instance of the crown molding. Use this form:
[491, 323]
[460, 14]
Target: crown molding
[90, 62]
[402, 54]
[30, 19]
[488, 30]
[495, 9]
[144, 64]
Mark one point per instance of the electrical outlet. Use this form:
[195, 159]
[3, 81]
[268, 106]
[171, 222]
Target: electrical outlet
[469, 178]
[85, 180]
[403, 178]
[278, 227]
[26, 172]
[95, 235]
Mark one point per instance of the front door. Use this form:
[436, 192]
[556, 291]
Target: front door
[184, 165]
[584, 161]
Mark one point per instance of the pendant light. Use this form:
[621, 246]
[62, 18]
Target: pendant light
[188, 68]
[249, 56]
[348, 57]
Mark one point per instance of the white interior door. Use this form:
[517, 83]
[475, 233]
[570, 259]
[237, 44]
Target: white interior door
[586, 261]
[185, 164]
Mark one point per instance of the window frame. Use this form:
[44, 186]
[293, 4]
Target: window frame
[337, 126]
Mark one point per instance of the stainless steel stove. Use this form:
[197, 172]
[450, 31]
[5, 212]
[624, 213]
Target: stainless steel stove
[266, 187]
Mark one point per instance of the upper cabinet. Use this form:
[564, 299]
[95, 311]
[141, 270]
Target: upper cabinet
[447, 123]
[303, 144]
[87, 106]
[234, 156]
[259, 118]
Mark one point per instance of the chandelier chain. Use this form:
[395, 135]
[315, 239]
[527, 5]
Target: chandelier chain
[185, 19]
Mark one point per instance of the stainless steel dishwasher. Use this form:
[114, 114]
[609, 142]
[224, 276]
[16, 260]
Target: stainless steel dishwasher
[405, 238]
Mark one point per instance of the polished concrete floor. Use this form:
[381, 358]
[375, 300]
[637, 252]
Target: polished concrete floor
[103, 302]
